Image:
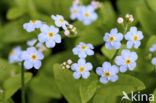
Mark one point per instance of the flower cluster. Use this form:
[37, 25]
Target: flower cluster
[49, 36]
[153, 49]
[86, 14]
[71, 31]
[82, 68]
[67, 65]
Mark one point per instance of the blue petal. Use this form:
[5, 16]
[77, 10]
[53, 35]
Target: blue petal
[123, 68]
[108, 45]
[37, 64]
[77, 75]
[28, 64]
[75, 51]
[103, 80]
[86, 74]
[74, 67]
[99, 71]
[114, 78]
[154, 61]
[133, 56]
[106, 66]
[119, 60]
[88, 66]
[137, 44]
[114, 31]
[140, 35]
[132, 66]
[50, 43]
[82, 54]
[129, 44]
[42, 37]
[81, 62]
[90, 52]
[57, 38]
[116, 45]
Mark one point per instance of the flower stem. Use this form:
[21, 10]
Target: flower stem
[22, 83]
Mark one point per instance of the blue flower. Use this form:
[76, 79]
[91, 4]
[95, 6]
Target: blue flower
[126, 60]
[32, 58]
[75, 11]
[87, 14]
[31, 42]
[32, 25]
[49, 35]
[134, 37]
[153, 48]
[15, 55]
[81, 69]
[60, 22]
[82, 50]
[154, 61]
[107, 72]
[113, 39]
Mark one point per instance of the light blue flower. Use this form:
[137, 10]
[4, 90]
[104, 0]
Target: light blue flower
[15, 55]
[154, 61]
[31, 42]
[75, 11]
[153, 48]
[81, 69]
[107, 72]
[32, 25]
[60, 22]
[49, 35]
[113, 39]
[32, 58]
[87, 14]
[134, 37]
[82, 50]
[126, 60]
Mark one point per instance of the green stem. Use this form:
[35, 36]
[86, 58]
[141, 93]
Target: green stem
[114, 56]
[22, 82]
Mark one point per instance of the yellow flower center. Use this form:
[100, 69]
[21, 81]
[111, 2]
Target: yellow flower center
[61, 20]
[82, 69]
[86, 15]
[33, 57]
[12, 53]
[34, 21]
[83, 47]
[50, 34]
[135, 38]
[107, 74]
[128, 61]
[111, 38]
[75, 11]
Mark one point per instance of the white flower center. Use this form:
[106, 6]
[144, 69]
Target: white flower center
[61, 20]
[86, 15]
[82, 69]
[51, 34]
[83, 47]
[12, 53]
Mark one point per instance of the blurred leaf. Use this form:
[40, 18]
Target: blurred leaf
[152, 4]
[125, 83]
[7, 70]
[154, 93]
[75, 91]
[47, 87]
[14, 83]
[147, 20]
[15, 12]
[14, 32]
[151, 41]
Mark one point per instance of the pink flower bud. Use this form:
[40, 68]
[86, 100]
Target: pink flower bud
[127, 16]
[69, 61]
[131, 19]
[120, 20]
[64, 63]
[95, 4]
[67, 66]
[76, 1]
[67, 32]
[70, 26]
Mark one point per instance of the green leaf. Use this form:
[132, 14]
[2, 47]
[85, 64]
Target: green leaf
[125, 83]
[46, 88]
[147, 20]
[154, 93]
[14, 32]
[7, 70]
[15, 12]
[75, 91]
[151, 41]
[152, 4]
[14, 83]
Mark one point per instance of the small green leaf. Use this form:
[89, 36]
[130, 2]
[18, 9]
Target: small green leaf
[75, 91]
[15, 12]
[152, 4]
[147, 20]
[14, 83]
[109, 53]
[151, 41]
[125, 83]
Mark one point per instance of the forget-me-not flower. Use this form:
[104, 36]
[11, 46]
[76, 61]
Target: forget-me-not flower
[49, 35]
[31, 42]
[60, 22]
[154, 61]
[87, 14]
[126, 60]
[32, 58]
[32, 25]
[82, 50]
[107, 72]
[153, 48]
[15, 55]
[75, 11]
[134, 37]
[81, 69]
[113, 39]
